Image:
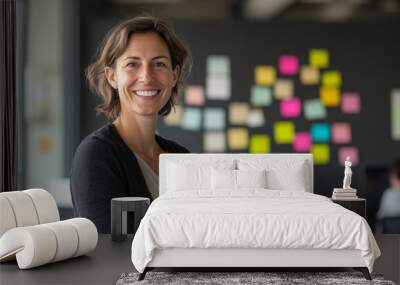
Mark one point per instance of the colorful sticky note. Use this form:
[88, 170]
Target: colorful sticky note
[320, 153]
[238, 113]
[290, 108]
[260, 144]
[214, 142]
[283, 89]
[238, 138]
[214, 119]
[309, 75]
[194, 95]
[265, 75]
[330, 97]
[319, 58]
[218, 65]
[256, 118]
[351, 103]
[332, 78]
[284, 132]
[302, 142]
[191, 120]
[395, 113]
[320, 132]
[341, 133]
[348, 151]
[261, 96]
[288, 64]
[174, 118]
[218, 88]
[314, 110]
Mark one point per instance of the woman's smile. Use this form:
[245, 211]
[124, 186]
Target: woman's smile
[147, 94]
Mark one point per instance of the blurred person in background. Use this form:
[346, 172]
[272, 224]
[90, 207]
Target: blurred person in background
[390, 203]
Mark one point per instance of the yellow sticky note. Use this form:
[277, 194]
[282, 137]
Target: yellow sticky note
[309, 75]
[330, 97]
[320, 153]
[283, 89]
[174, 118]
[332, 79]
[260, 144]
[238, 138]
[319, 58]
[284, 132]
[265, 75]
[238, 113]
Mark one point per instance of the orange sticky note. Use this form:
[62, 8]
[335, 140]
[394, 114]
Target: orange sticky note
[238, 138]
[265, 75]
[309, 75]
[330, 97]
[283, 89]
[238, 113]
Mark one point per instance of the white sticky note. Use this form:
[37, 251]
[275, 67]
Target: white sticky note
[256, 118]
[218, 88]
[214, 142]
[218, 65]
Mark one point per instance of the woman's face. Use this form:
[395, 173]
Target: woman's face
[143, 75]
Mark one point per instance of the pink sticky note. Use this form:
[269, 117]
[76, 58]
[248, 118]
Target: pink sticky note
[194, 95]
[341, 133]
[302, 142]
[291, 107]
[351, 103]
[350, 151]
[288, 64]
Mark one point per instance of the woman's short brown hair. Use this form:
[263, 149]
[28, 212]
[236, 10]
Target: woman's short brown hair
[114, 45]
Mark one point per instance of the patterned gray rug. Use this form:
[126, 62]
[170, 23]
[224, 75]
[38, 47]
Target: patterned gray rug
[230, 278]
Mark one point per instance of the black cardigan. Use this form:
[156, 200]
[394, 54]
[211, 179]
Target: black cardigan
[103, 168]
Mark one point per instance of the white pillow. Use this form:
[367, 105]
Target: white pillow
[187, 175]
[236, 179]
[251, 179]
[281, 174]
[223, 179]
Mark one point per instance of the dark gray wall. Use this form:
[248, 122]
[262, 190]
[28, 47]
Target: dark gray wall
[367, 54]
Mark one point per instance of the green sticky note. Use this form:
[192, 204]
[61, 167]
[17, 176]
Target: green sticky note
[218, 65]
[191, 119]
[320, 153]
[314, 110]
[259, 144]
[319, 58]
[261, 96]
[332, 79]
[284, 132]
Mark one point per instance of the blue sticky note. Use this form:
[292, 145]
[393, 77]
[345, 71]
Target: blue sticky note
[320, 132]
[191, 119]
[214, 119]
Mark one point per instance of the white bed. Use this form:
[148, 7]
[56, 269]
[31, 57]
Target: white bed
[214, 223]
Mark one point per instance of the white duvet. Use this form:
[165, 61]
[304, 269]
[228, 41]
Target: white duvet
[252, 218]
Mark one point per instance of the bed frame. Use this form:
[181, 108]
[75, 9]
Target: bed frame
[242, 258]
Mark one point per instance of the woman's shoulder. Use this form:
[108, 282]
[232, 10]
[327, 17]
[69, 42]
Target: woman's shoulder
[170, 145]
[99, 143]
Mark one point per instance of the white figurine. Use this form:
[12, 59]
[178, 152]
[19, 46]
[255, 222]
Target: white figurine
[347, 174]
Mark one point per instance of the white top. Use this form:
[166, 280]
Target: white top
[150, 177]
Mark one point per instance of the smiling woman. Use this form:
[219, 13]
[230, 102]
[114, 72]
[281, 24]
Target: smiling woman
[138, 73]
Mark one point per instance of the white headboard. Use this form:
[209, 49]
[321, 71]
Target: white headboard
[197, 157]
